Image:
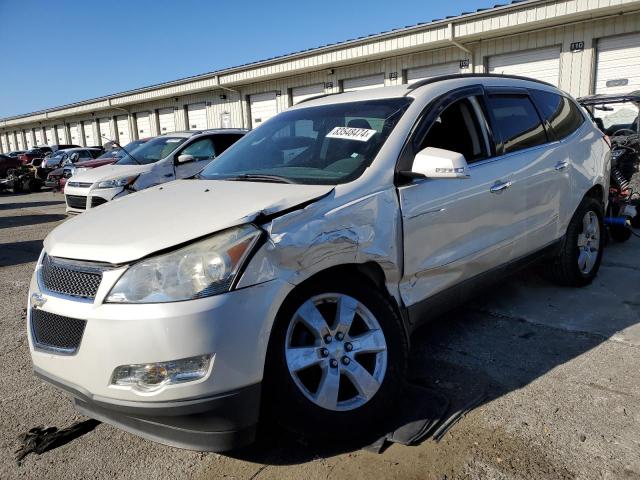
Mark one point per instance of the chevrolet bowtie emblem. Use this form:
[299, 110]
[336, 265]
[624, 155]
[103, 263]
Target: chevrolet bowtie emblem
[37, 300]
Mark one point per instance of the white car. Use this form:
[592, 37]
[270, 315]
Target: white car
[293, 269]
[160, 160]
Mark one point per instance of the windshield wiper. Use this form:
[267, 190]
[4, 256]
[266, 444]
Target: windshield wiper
[248, 177]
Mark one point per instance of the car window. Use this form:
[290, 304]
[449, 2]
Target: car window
[202, 149]
[457, 129]
[151, 151]
[562, 114]
[327, 144]
[225, 140]
[517, 121]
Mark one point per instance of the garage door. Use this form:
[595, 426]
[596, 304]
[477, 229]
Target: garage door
[363, 83]
[29, 136]
[61, 135]
[541, 64]
[430, 71]
[299, 94]
[12, 142]
[39, 139]
[104, 124]
[618, 71]
[89, 136]
[5, 144]
[76, 138]
[122, 125]
[167, 120]
[263, 107]
[51, 136]
[197, 116]
[143, 124]
[20, 140]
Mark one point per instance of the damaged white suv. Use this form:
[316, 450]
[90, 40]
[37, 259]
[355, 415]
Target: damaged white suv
[293, 269]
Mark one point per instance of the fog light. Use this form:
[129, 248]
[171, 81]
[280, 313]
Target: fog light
[152, 376]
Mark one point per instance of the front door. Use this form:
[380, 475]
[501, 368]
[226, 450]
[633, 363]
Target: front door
[202, 152]
[455, 229]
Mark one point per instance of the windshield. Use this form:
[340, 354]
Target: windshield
[617, 116]
[311, 145]
[151, 151]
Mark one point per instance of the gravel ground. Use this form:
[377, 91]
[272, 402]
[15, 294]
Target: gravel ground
[559, 366]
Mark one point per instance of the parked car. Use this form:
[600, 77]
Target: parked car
[293, 268]
[35, 154]
[58, 158]
[58, 177]
[6, 163]
[160, 160]
[15, 153]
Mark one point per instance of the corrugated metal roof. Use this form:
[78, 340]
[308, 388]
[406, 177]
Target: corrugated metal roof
[179, 81]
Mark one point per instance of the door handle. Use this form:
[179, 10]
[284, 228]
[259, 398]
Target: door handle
[500, 187]
[561, 165]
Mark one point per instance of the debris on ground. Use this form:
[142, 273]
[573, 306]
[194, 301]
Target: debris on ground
[40, 439]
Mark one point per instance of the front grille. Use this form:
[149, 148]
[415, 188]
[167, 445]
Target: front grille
[70, 278]
[76, 201]
[97, 201]
[55, 332]
[79, 184]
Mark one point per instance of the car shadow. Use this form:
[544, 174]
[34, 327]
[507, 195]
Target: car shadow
[24, 220]
[481, 350]
[12, 206]
[18, 253]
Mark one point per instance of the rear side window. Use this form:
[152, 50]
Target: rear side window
[562, 114]
[517, 121]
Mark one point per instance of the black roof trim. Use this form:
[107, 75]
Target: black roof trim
[441, 78]
[602, 99]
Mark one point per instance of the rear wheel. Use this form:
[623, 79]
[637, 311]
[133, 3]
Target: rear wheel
[580, 255]
[337, 359]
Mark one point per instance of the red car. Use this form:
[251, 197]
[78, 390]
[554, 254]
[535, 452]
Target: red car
[58, 178]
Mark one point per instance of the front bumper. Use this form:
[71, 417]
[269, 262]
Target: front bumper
[233, 327]
[217, 423]
[79, 199]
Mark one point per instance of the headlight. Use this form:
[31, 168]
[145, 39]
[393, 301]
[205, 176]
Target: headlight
[117, 182]
[202, 269]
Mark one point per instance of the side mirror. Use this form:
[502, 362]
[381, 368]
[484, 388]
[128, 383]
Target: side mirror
[438, 163]
[185, 158]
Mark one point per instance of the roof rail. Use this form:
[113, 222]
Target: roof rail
[429, 81]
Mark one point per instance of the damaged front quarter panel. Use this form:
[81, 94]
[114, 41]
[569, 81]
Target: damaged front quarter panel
[331, 233]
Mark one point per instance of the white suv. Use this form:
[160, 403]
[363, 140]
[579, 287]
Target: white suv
[293, 269]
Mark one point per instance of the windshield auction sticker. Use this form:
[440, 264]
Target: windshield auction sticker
[349, 133]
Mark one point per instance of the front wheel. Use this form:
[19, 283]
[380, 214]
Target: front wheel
[337, 359]
[578, 260]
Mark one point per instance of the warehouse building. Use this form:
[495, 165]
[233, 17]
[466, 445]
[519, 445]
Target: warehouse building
[582, 46]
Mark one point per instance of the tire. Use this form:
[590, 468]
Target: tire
[569, 267]
[289, 395]
[619, 234]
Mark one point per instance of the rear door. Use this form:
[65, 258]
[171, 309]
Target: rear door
[523, 147]
[455, 229]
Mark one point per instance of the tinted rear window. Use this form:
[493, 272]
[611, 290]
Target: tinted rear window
[517, 121]
[562, 114]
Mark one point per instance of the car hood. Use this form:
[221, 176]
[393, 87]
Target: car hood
[96, 163]
[162, 217]
[107, 172]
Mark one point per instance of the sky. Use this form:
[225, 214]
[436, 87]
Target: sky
[54, 52]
